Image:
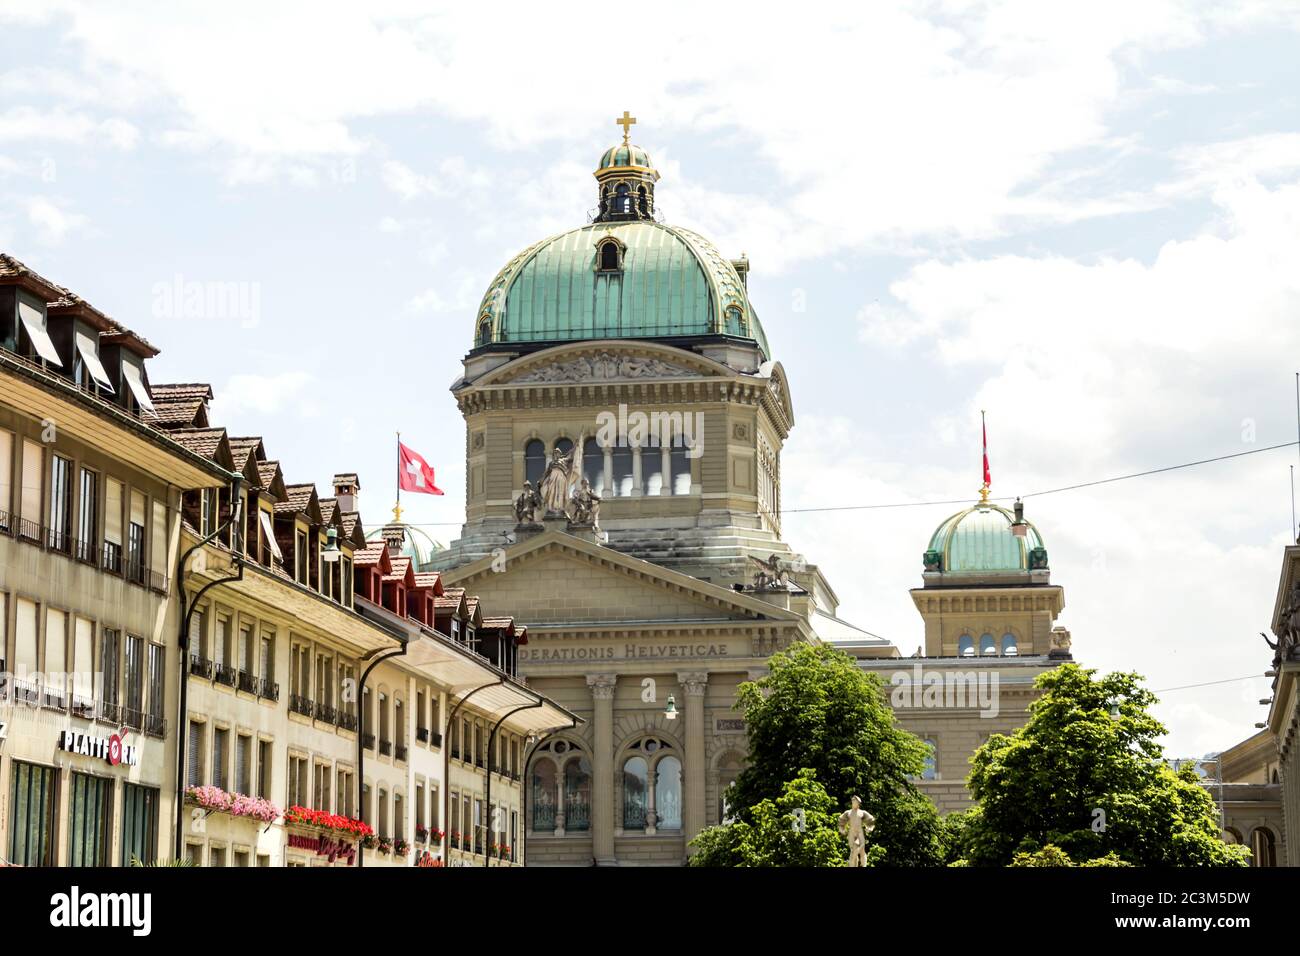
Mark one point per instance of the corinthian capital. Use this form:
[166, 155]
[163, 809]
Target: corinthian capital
[693, 682]
[602, 685]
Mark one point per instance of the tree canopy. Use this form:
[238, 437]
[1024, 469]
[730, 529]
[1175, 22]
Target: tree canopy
[818, 722]
[1086, 776]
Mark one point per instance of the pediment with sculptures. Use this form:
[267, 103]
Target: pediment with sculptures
[604, 367]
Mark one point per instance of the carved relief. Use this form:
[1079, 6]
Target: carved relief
[604, 366]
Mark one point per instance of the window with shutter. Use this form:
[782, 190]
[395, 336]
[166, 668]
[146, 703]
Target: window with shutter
[157, 674]
[158, 544]
[264, 769]
[194, 755]
[32, 490]
[243, 756]
[109, 665]
[134, 675]
[219, 754]
[6, 479]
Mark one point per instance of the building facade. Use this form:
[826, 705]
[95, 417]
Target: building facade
[204, 661]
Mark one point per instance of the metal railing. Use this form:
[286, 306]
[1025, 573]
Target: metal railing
[435, 739]
[54, 698]
[268, 689]
[368, 741]
[298, 704]
[246, 682]
[58, 541]
[422, 734]
[225, 674]
[200, 667]
[83, 707]
[30, 530]
[386, 748]
[110, 711]
[112, 557]
[155, 726]
[400, 752]
[326, 712]
[133, 718]
[347, 720]
[86, 551]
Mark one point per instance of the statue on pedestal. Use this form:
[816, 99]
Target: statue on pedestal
[585, 505]
[857, 824]
[554, 486]
[526, 504]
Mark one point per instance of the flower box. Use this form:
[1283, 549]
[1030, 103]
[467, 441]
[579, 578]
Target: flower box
[307, 817]
[216, 800]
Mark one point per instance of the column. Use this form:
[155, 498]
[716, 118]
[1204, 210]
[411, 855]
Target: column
[693, 684]
[666, 466]
[651, 817]
[637, 488]
[602, 767]
[608, 490]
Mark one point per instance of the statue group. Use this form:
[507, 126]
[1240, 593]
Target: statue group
[557, 496]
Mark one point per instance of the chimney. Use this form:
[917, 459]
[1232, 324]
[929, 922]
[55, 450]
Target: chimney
[346, 489]
[394, 537]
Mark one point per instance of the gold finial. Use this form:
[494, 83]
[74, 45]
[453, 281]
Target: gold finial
[397, 514]
[984, 494]
[626, 121]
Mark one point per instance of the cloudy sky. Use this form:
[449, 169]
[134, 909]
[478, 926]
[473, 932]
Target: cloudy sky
[1084, 218]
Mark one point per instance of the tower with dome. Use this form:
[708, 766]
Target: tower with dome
[623, 362]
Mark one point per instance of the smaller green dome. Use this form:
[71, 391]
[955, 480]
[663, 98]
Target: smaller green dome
[980, 539]
[625, 154]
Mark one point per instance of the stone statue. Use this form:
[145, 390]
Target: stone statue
[857, 824]
[585, 505]
[526, 504]
[771, 573]
[556, 480]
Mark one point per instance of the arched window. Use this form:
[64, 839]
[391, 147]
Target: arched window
[987, 645]
[485, 332]
[1263, 847]
[609, 258]
[622, 462]
[382, 828]
[1231, 837]
[929, 769]
[564, 445]
[622, 199]
[604, 201]
[734, 324]
[543, 795]
[593, 463]
[634, 793]
[965, 646]
[577, 795]
[680, 463]
[641, 200]
[1009, 647]
[383, 721]
[668, 794]
[534, 461]
[652, 466]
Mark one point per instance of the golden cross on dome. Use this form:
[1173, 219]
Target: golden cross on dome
[627, 122]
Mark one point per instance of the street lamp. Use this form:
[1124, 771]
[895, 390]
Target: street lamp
[331, 552]
[670, 712]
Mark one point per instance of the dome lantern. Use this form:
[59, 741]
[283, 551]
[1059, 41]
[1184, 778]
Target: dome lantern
[626, 180]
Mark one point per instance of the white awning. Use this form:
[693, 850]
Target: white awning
[269, 531]
[135, 380]
[89, 349]
[34, 322]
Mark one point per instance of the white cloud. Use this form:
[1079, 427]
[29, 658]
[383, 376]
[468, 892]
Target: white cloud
[262, 395]
[882, 123]
[24, 123]
[51, 220]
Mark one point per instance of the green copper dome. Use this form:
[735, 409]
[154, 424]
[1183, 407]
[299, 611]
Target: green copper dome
[618, 279]
[416, 545]
[625, 154]
[980, 539]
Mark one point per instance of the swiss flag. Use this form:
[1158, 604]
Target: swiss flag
[414, 473]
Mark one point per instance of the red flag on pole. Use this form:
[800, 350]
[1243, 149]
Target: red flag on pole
[988, 480]
[414, 473]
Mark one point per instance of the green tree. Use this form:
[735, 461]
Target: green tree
[1086, 776]
[799, 828]
[816, 709]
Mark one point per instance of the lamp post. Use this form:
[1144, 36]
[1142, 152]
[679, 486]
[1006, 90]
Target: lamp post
[187, 613]
[361, 725]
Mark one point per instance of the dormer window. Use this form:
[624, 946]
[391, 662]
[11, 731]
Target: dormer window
[609, 256]
[484, 330]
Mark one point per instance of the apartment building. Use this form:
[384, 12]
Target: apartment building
[204, 660]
